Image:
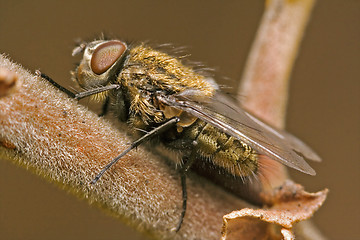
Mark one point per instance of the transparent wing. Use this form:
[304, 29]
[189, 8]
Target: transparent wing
[222, 113]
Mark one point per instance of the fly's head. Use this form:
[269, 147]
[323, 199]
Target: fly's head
[101, 61]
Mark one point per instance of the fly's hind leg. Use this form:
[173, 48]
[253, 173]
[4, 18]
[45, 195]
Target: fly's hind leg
[189, 161]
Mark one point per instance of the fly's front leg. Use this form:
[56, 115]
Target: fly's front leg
[55, 84]
[80, 95]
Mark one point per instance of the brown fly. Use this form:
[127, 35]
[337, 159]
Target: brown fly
[157, 93]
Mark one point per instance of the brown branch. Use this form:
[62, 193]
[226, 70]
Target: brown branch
[264, 85]
[44, 130]
[265, 81]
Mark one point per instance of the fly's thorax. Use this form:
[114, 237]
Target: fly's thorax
[225, 151]
[148, 73]
[168, 73]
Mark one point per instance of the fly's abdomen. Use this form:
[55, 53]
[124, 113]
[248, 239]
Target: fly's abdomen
[223, 150]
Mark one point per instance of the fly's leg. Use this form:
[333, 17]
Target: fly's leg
[81, 94]
[146, 137]
[188, 163]
[55, 84]
[183, 173]
[105, 107]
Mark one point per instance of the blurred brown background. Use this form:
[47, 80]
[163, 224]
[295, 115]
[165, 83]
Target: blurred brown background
[323, 108]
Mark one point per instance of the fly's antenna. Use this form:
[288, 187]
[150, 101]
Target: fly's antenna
[79, 49]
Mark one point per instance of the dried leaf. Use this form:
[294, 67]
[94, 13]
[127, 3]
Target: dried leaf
[289, 205]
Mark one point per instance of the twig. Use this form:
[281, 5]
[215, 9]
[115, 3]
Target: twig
[265, 81]
[62, 141]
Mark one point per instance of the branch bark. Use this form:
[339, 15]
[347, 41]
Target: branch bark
[44, 130]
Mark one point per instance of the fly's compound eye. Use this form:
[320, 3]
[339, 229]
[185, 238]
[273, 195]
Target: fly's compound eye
[101, 60]
[105, 55]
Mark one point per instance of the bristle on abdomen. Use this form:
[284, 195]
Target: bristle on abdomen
[223, 150]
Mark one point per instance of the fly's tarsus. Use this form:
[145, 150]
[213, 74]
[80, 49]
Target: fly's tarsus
[55, 84]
